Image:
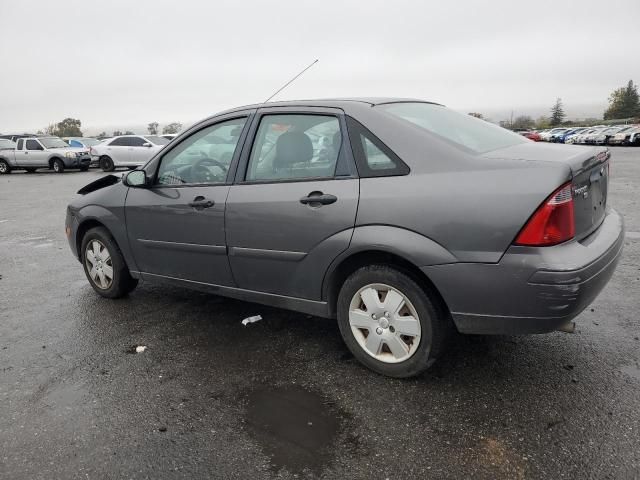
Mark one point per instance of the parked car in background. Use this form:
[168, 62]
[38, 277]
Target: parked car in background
[402, 219]
[553, 137]
[129, 151]
[546, 136]
[32, 153]
[627, 136]
[15, 136]
[531, 135]
[564, 138]
[81, 142]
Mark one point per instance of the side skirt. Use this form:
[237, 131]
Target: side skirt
[311, 307]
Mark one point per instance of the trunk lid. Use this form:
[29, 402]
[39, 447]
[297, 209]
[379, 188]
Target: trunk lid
[589, 169]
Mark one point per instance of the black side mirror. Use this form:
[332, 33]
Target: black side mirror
[136, 179]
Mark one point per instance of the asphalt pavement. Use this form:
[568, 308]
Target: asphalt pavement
[282, 397]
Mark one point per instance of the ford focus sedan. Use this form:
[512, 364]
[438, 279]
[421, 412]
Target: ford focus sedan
[403, 220]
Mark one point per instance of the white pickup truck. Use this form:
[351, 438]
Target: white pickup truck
[31, 153]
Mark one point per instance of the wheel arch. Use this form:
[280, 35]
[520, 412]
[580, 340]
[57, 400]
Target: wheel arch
[336, 277]
[53, 159]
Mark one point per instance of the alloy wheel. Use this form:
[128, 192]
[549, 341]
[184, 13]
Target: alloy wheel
[99, 264]
[384, 323]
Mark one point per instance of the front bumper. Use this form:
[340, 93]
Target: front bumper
[531, 290]
[78, 162]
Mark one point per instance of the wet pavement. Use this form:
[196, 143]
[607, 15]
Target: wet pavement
[282, 397]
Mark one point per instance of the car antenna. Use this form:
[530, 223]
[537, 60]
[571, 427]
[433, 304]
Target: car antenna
[291, 81]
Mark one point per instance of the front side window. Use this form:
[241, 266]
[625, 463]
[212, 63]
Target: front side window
[473, 134]
[136, 141]
[33, 145]
[75, 143]
[20, 143]
[293, 146]
[204, 157]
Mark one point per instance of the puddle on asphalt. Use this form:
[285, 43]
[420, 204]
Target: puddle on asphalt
[295, 428]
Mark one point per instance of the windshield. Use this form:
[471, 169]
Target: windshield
[157, 140]
[473, 134]
[53, 142]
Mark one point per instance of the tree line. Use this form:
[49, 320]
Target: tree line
[624, 103]
[72, 127]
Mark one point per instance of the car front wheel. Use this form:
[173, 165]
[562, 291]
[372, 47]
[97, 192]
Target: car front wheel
[58, 166]
[390, 323]
[106, 164]
[104, 265]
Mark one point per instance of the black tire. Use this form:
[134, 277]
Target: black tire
[5, 168]
[58, 166]
[435, 323]
[106, 164]
[122, 282]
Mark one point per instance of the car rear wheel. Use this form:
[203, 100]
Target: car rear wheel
[104, 265]
[58, 166]
[4, 167]
[389, 322]
[106, 164]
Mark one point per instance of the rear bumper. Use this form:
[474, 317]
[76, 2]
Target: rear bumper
[531, 290]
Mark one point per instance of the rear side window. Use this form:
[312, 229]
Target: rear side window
[373, 158]
[119, 142]
[295, 146]
[472, 134]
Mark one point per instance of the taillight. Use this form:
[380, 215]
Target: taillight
[552, 223]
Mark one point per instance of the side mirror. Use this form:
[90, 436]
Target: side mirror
[147, 144]
[136, 178]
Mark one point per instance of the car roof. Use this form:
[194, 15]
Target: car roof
[328, 102]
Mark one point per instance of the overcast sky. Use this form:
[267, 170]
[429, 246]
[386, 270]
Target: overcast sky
[126, 63]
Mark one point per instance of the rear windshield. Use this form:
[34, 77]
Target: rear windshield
[469, 132]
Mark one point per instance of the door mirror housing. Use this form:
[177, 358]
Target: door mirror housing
[147, 144]
[136, 179]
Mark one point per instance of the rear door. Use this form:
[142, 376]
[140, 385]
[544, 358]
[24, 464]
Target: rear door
[176, 226]
[118, 150]
[292, 209]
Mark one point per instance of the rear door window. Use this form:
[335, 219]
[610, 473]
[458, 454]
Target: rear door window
[119, 142]
[295, 146]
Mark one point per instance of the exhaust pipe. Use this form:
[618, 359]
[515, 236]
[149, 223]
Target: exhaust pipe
[569, 327]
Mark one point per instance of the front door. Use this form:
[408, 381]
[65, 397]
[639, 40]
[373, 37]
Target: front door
[176, 226]
[34, 154]
[293, 207]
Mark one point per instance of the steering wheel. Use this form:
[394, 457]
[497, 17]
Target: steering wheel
[200, 173]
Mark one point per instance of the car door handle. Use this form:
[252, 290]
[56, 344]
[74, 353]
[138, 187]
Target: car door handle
[200, 203]
[318, 198]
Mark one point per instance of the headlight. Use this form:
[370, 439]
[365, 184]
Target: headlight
[70, 154]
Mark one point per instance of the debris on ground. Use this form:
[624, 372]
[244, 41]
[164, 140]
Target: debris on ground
[248, 320]
[141, 348]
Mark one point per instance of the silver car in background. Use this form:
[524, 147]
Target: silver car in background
[129, 151]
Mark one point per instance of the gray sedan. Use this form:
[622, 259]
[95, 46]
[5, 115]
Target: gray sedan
[402, 219]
